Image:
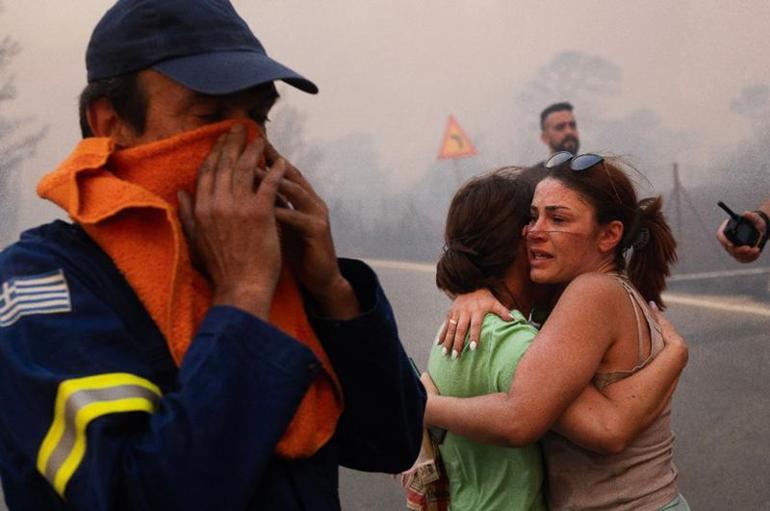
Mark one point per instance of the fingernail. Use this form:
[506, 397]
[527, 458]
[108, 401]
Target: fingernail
[444, 351]
[455, 354]
[473, 345]
[653, 305]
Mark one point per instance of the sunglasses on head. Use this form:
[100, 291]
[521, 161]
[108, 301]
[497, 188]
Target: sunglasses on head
[578, 163]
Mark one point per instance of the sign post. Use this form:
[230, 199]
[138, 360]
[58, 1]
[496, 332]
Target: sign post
[455, 145]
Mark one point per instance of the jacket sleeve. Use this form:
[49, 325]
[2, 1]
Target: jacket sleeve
[381, 427]
[81, 407]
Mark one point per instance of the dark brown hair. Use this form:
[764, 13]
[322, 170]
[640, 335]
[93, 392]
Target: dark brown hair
[126, 95]
[483, 230]
[556, 107]
[645, 231]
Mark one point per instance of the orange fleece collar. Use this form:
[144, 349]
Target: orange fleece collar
[126, 201]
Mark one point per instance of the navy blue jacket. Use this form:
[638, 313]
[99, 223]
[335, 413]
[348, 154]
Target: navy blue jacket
[95, 415]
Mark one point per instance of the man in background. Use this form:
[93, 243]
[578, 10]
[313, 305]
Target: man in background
[559, 129]
[559, 132]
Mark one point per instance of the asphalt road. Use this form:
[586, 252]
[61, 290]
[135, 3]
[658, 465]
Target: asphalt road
[721, 412]
[721, 408]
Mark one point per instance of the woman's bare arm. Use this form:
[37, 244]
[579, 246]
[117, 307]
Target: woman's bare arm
[608, 421]
[550, 376]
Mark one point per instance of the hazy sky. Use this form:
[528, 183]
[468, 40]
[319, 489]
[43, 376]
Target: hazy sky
[396, 69]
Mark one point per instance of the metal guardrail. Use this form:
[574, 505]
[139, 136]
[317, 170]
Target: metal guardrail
[719, 274]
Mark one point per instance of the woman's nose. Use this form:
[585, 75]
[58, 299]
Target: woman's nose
[534, 230]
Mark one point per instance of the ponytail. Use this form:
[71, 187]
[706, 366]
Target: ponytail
[653, 251]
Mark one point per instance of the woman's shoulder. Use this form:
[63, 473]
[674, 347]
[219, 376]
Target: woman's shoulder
[604, 287]
[599, 302]
[496, 329]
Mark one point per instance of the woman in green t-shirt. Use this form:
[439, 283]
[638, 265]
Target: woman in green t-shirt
[483, 249]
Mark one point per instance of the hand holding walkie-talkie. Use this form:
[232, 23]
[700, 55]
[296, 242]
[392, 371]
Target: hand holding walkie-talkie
[743, 236]
[739, 230]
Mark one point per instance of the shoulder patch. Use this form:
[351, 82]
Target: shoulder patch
[46, 293]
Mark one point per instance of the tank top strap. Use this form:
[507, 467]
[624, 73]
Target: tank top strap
[656, 335]
[634, 297]
[601, 380]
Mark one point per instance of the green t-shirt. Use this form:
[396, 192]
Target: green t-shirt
[483, 476]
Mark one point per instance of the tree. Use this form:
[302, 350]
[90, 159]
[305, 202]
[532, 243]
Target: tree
[287, 132]
[584, 80]
[17, 142]
[573, 76]
[746, 167]
[753, 104]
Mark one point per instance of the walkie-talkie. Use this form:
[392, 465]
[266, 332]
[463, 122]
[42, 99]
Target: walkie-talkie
[739, 230]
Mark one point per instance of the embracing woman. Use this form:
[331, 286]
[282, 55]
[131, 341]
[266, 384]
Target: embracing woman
[611, 442]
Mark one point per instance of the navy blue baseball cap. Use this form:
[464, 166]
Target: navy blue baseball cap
[202, 44]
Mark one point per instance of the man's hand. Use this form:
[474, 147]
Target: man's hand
[744, 253]
[467, 313]
[231, 226]
[307, 239]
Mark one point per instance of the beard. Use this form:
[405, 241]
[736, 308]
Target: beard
[568, 143]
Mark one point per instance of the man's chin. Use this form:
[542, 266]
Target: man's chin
[572, 147]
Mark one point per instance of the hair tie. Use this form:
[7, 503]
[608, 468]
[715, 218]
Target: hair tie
[459, 247]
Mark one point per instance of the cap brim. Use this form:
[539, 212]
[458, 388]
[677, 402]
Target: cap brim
[228, 72]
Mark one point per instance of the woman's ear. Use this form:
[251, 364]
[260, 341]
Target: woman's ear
[610, 235]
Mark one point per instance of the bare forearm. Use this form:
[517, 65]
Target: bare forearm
[607, 422]
[487, 419]
[589, 423]
[601, 425]
[639, 399]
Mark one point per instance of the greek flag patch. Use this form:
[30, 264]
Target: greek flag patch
[46, 293]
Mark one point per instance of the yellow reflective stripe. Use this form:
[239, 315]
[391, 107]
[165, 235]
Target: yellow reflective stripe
[65, 391]
[69, 387]
[84, 417]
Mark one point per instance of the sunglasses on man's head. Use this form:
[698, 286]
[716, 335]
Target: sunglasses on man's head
[578, 163]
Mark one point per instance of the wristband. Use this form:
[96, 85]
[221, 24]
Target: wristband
[767, 228]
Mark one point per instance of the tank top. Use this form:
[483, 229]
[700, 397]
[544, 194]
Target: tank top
[643, 476]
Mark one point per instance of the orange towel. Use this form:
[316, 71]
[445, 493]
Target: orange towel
[126, 201]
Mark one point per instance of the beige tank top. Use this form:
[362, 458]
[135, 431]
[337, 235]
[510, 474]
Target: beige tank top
[642, 477]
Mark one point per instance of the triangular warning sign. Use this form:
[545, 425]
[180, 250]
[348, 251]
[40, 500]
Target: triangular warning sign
[455, 143]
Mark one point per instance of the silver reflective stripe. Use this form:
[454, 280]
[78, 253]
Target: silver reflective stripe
[76, 402]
